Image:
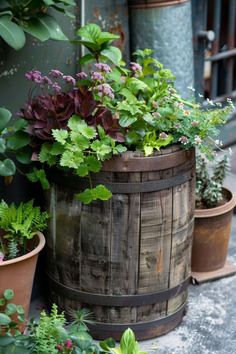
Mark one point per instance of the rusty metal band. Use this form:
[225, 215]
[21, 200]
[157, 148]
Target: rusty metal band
[143, 330]
[118, 300]
[147, 164]
[77, 183]
[153, 4]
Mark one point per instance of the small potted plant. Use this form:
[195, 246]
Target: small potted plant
[213, 215]
[20, 242]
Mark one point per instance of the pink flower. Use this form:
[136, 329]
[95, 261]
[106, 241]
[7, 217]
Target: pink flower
[69, 79]
[135, 66]
[183, 139]
[105, 90]
[68, 343]
[96, 76]
[103, 67]
[81, 76]
[163, 135]
[195, 123]
[56, 87]
[46, 81]
[197, 140]
[34, 76]
[55, 73]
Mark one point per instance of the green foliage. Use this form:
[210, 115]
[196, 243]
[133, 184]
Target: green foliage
[99, 44]
[11, 315]
[209, 181]
[19, 224]
[128, 344]
[18, 17]
[81, 149]
[7, 166]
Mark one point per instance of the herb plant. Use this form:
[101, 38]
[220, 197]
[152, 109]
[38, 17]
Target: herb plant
[108, 109]
[209, 181]
[128, 344]
[30, 16]
[18, 225]
[11, 315]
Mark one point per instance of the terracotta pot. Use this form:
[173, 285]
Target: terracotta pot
[211, 235]
[18, 274]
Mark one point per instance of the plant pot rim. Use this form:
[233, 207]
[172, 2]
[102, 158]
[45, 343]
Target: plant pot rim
[30, 254]
[222, 209]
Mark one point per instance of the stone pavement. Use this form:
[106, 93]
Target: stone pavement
[209, 326]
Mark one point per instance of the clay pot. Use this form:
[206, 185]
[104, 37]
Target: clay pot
[211, 235]
[18, 274]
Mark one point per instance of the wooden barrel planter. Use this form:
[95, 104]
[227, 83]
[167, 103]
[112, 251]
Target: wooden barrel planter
[127, 259]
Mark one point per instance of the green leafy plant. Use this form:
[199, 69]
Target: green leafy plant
[113, 108]
[19, 224]
[128, 344]
[209, 181]
[30, 16]
[7, 166]
[11, 315]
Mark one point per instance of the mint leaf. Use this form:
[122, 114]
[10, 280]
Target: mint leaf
[60, 135]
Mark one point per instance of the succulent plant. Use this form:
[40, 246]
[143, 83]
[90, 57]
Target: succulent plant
[209, 181]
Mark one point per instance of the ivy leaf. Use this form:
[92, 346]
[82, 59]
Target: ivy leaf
[60, 135]
[126, 121]
[38, 176]
[11, 33]
[5, 116]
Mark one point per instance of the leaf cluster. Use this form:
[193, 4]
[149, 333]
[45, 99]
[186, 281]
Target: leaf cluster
[82, 149]
[19, 224]
[209, 181]
[11, 315]
[128, 344]
[99, 45]
[20, 16]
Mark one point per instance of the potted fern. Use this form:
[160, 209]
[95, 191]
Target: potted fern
[213, 215]
[114, 147]
[20, 242]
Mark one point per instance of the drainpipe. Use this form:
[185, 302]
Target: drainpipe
[165, 27]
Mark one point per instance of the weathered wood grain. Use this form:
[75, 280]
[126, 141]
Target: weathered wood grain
[135, 243]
